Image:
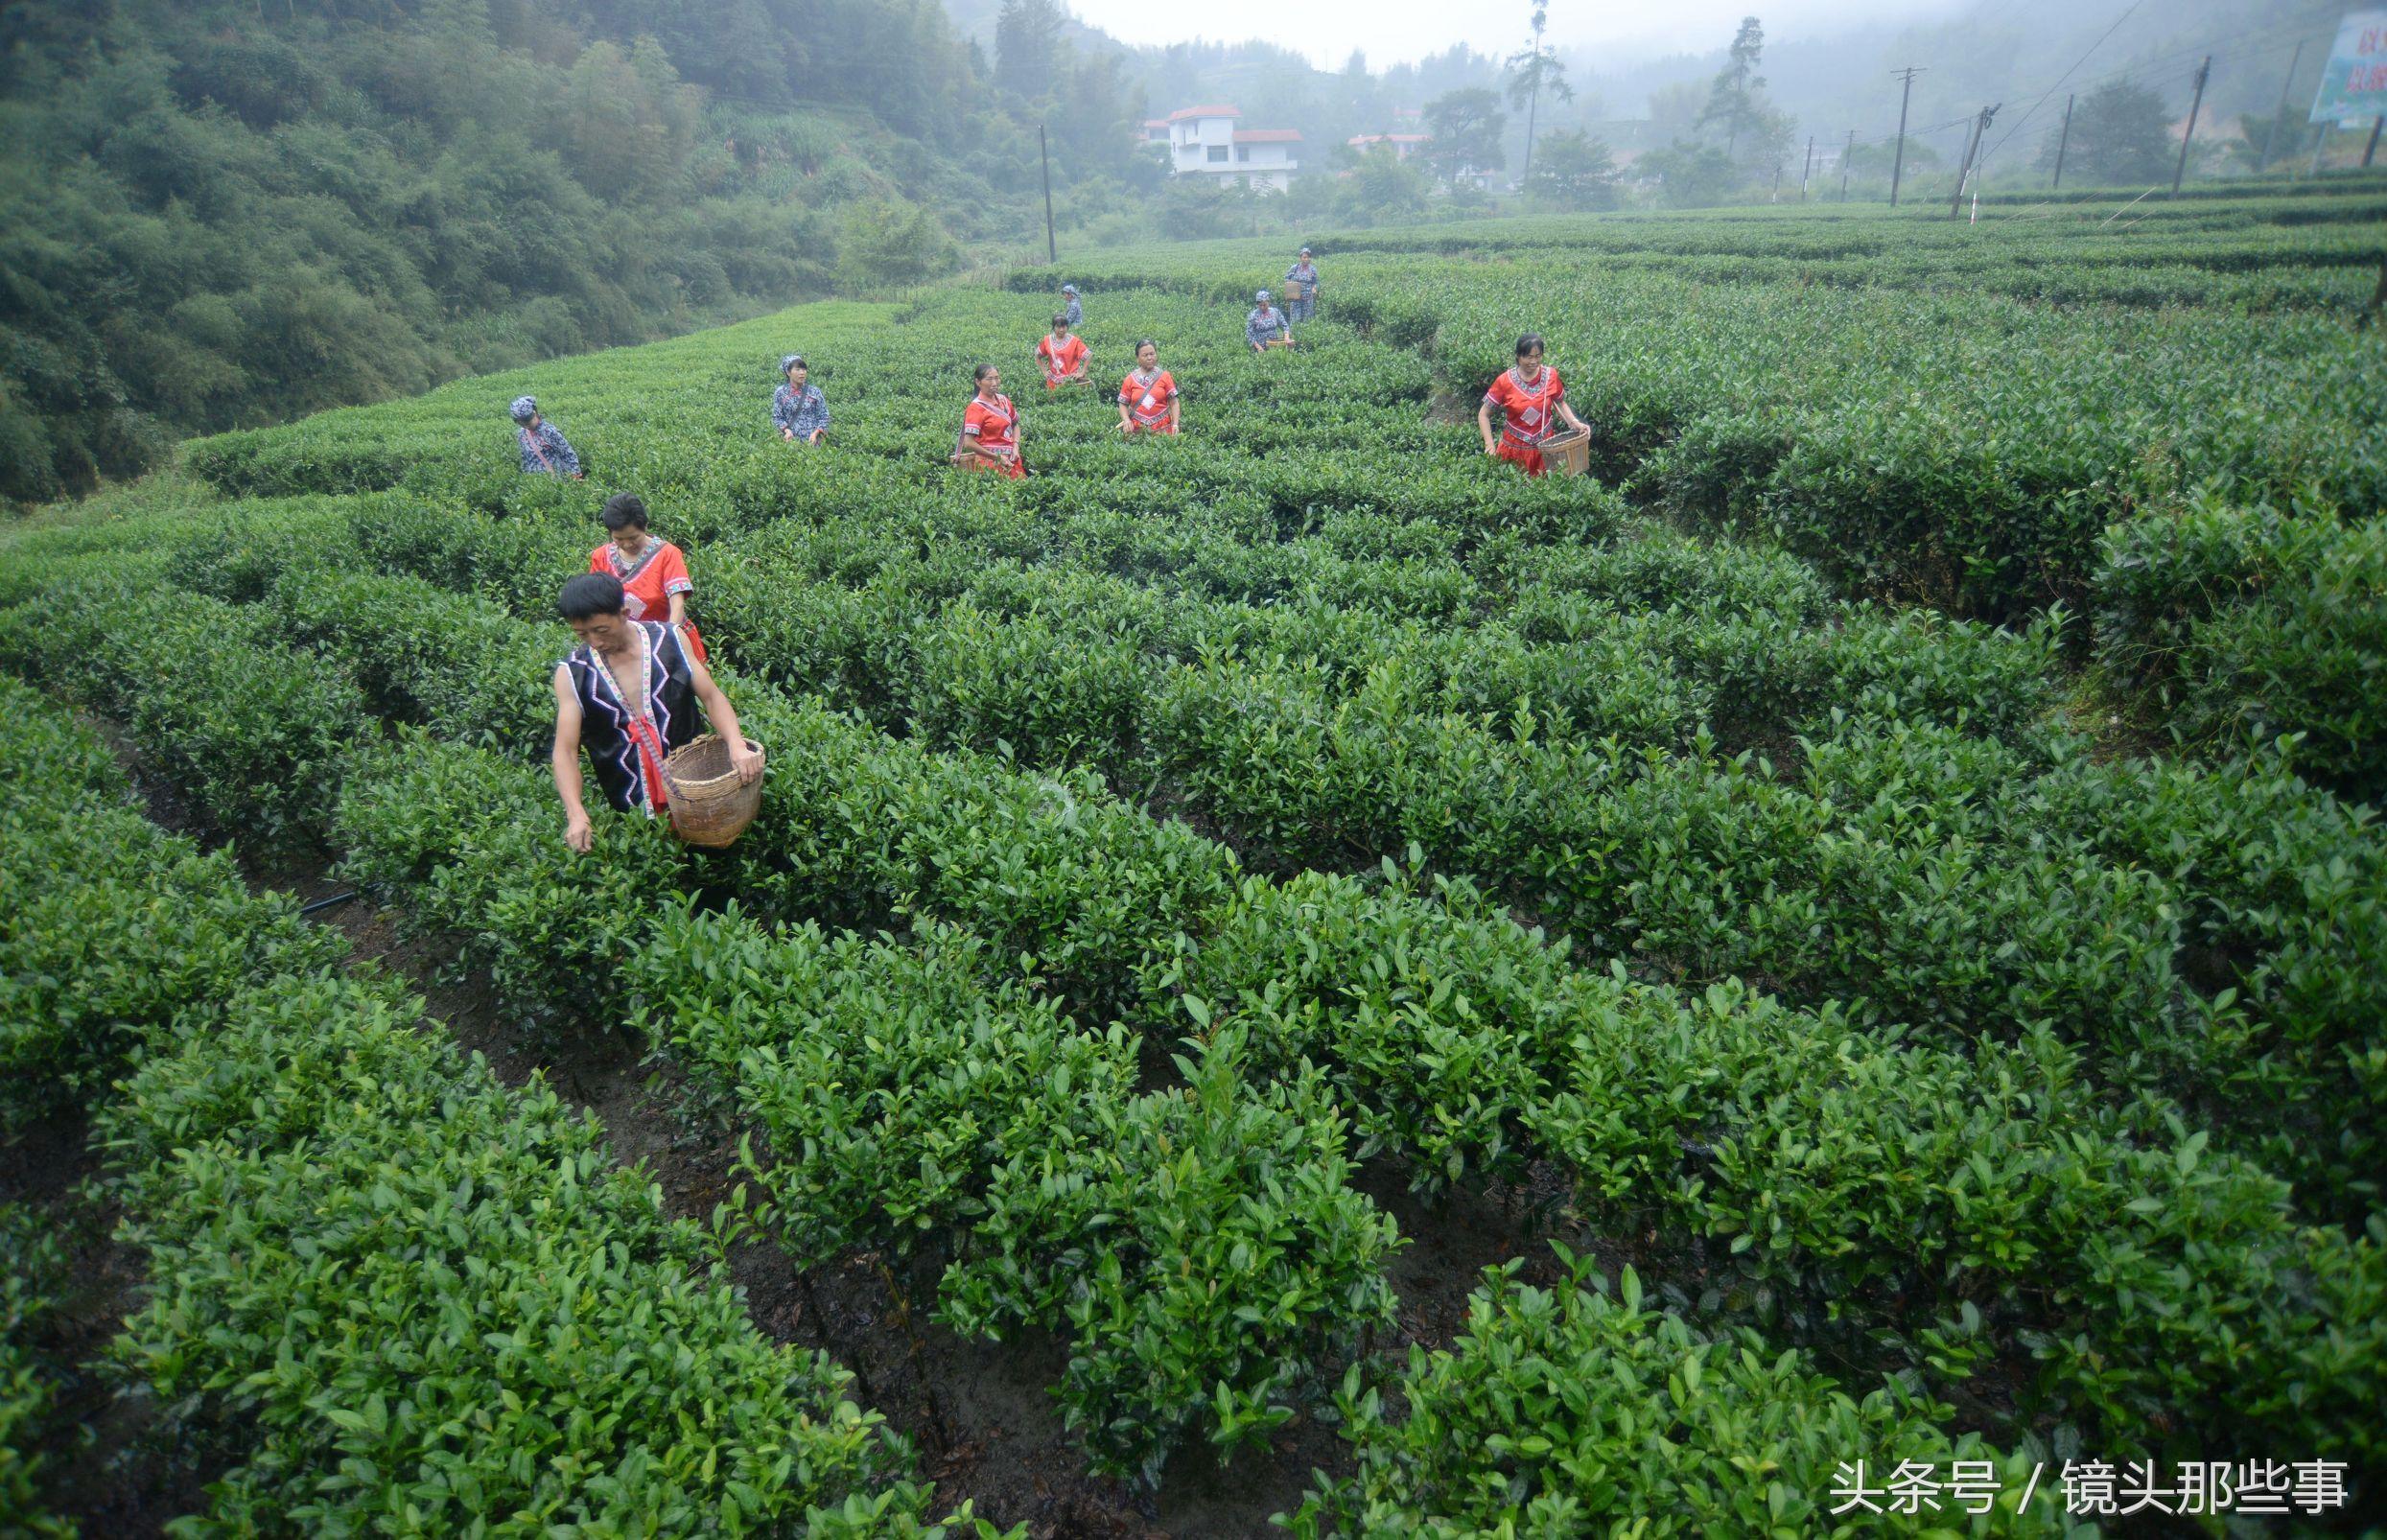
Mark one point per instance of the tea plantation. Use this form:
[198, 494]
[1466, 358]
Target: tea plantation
[1884, 872]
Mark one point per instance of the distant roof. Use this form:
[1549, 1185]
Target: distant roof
[1183, 113]
[1388, 139]
[1268, 136]
[1156, 123]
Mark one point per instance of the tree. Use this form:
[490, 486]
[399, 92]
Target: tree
[1576, 173]
[1530, 72]
[1690, 175]
[1383, 186]
[1674, 110]
[2120, 136]
[1030, 53]
[893, 242]
[1462, 132]
[1734, 100]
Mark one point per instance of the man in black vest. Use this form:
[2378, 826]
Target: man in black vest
[630, 694]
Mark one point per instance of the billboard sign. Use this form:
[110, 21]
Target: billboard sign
[2354, 84]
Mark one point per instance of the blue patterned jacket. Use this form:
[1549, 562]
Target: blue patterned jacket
[800, 416]
[544, 450]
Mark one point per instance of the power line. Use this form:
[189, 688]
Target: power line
[2109, 32]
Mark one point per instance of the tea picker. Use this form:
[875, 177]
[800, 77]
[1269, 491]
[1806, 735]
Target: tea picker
[1530, 396]
[990, 435]
[630, 694]
[1147, 397]
[1061, 356]
[1265, 326]
[798, 409]
[655, 584]
[1302, 289]
[540, 443]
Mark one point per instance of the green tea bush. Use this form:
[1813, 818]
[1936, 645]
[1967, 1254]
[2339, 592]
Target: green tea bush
[439, 1302]
[1210, 1257]
[1843, 1175]
[32, 1267]
[890, 1082]
[251, 729]
[406, 1291]
[1562, 1411]
[2243, 625]
[1207, 1253]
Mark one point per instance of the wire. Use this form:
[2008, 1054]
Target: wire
[2127, 14]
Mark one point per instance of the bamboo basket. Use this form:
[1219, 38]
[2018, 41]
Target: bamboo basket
[707, 805]
[1568, 453]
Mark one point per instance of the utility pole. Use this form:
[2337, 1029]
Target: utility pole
[2371, 148]
[1808, 169]
[2182, 169]
[1052, 256]
[1972, 143]
[1898, 167]
[2063, 144]
[1846, 155]
[2272, 139]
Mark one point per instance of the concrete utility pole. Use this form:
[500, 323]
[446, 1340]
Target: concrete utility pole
[2271, 140]
[2190, 132]
[2063, 144]
[1972, 146]
[1846, 155]
[1898, 167]
[1807, 170]
[2371, 148]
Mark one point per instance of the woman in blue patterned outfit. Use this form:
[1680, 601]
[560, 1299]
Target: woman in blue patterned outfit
[799, 409]
[540, 443]
[1302, 289]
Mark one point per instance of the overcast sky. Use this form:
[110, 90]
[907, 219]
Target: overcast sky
[1395, 31]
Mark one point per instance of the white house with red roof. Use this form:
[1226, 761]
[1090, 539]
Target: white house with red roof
[1210, 141]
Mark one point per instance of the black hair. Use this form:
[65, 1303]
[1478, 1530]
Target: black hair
[1529, 342]
[623, 508]
[984, 369]
[1137, 351]
[589, 595]
[795, 364]
[1061, 318]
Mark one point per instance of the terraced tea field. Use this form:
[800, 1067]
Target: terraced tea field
[1490, 1006]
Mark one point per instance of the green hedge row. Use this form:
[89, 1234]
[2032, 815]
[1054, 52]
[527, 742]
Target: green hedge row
[1558, 1407]
[2133, 1269]
[423, 1300]
[2234, 625]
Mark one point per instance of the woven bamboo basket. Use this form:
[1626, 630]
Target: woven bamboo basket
[1568, 453]
[1295, 288]
[707, 805]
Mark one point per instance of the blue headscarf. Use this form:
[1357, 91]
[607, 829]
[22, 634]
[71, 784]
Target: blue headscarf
[524, 408]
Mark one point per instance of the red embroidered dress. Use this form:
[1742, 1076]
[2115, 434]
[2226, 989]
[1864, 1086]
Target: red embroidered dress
[992, 425]
[1148, 400]
[1527, 412]
[1059, 359]
[648, 583]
